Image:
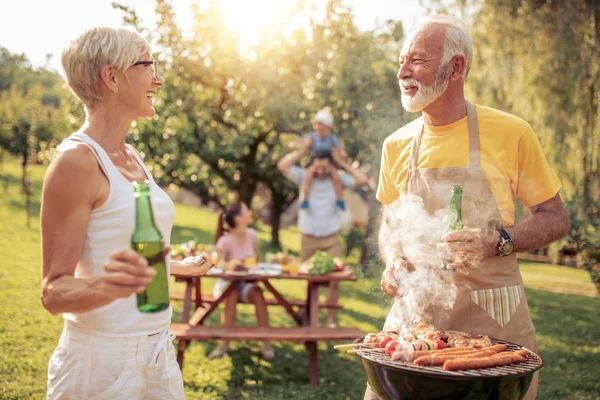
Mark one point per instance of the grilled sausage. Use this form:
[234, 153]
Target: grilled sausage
[477, 363]
[439, 359]
[522, 353]
[412, 355]
[498, 348]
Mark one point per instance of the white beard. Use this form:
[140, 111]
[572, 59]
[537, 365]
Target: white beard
[425, 94]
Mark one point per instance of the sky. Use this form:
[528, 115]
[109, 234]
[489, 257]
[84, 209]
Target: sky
[39, 27]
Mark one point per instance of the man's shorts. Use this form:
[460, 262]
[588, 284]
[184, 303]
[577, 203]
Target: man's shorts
[331, 244]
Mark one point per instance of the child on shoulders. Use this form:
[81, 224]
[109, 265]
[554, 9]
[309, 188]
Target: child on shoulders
[322, 138]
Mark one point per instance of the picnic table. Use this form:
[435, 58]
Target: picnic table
[307, 329]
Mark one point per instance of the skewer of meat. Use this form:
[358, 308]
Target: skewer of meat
[394, 346]
[368, 350]
[341, 346]
[487, 362]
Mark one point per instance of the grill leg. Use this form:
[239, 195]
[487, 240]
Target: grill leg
[313, 367]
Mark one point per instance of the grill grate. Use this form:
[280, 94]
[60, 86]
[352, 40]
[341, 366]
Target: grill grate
[532, 363]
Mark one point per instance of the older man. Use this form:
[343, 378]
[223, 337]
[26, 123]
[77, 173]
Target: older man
[496, 157]
[321, 224]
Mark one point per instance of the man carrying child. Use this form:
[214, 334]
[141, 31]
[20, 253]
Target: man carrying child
[321, 225]
[322, 138]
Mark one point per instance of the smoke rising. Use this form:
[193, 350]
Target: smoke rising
[423, 286]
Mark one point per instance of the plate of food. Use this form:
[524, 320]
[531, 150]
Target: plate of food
[237, 273]
[267, 269]
[238, 269]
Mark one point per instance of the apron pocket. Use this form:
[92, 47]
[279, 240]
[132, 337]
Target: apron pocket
[500, 303]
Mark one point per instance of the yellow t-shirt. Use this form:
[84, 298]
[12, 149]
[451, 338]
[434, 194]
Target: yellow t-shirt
[511, 158]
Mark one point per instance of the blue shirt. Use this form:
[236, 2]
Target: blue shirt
[329, 142]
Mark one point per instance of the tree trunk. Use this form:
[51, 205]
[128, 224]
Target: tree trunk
[277, 210]
[25, 156]
[246, 188]
[247, 183]
[26, 186]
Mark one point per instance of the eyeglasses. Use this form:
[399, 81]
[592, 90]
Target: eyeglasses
[154, 64]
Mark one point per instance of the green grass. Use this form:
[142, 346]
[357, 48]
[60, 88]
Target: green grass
[555, 278]
[567, 324]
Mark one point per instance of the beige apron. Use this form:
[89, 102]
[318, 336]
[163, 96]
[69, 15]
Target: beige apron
[491, 299]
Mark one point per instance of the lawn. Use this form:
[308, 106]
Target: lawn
[567, 324]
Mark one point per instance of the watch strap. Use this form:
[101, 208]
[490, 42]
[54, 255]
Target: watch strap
[503, 234]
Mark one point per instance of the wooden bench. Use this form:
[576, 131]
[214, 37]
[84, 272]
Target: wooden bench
[309, 335]
[270, 302]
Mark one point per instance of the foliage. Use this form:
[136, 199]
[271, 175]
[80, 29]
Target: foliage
[321, 263]
[33, 115]
[557, 71]
[32, 123]
[354, 239]
[585, 232]
[227, 113]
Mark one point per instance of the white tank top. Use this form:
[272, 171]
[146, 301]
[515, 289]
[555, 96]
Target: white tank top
[109, 229]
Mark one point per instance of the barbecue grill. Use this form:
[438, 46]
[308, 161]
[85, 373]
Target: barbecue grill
[392, 380]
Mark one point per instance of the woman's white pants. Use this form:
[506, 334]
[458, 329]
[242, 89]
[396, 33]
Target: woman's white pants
[89, 366]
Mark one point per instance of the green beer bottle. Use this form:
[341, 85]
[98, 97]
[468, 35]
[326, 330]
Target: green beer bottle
[148, 242]
[456, 205]
[455, 222]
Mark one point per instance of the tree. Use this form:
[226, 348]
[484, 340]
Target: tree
[25, 125]
[226, 115]
[34, 114]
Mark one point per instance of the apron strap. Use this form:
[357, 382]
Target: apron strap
[414, 153]
[474, 153]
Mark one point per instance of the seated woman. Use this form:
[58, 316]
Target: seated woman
[239, 244]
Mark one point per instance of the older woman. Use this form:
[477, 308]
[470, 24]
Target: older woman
[108, 349]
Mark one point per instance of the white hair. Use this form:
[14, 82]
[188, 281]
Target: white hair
[85, 56]
[457, 40]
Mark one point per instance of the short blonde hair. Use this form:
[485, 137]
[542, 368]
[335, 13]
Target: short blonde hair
[85, 56]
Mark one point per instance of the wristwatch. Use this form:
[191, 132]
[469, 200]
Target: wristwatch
[506, 244]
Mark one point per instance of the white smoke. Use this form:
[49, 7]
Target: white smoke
[424, 285]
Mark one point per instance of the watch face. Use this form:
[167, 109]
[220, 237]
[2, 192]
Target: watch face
[506, 247]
